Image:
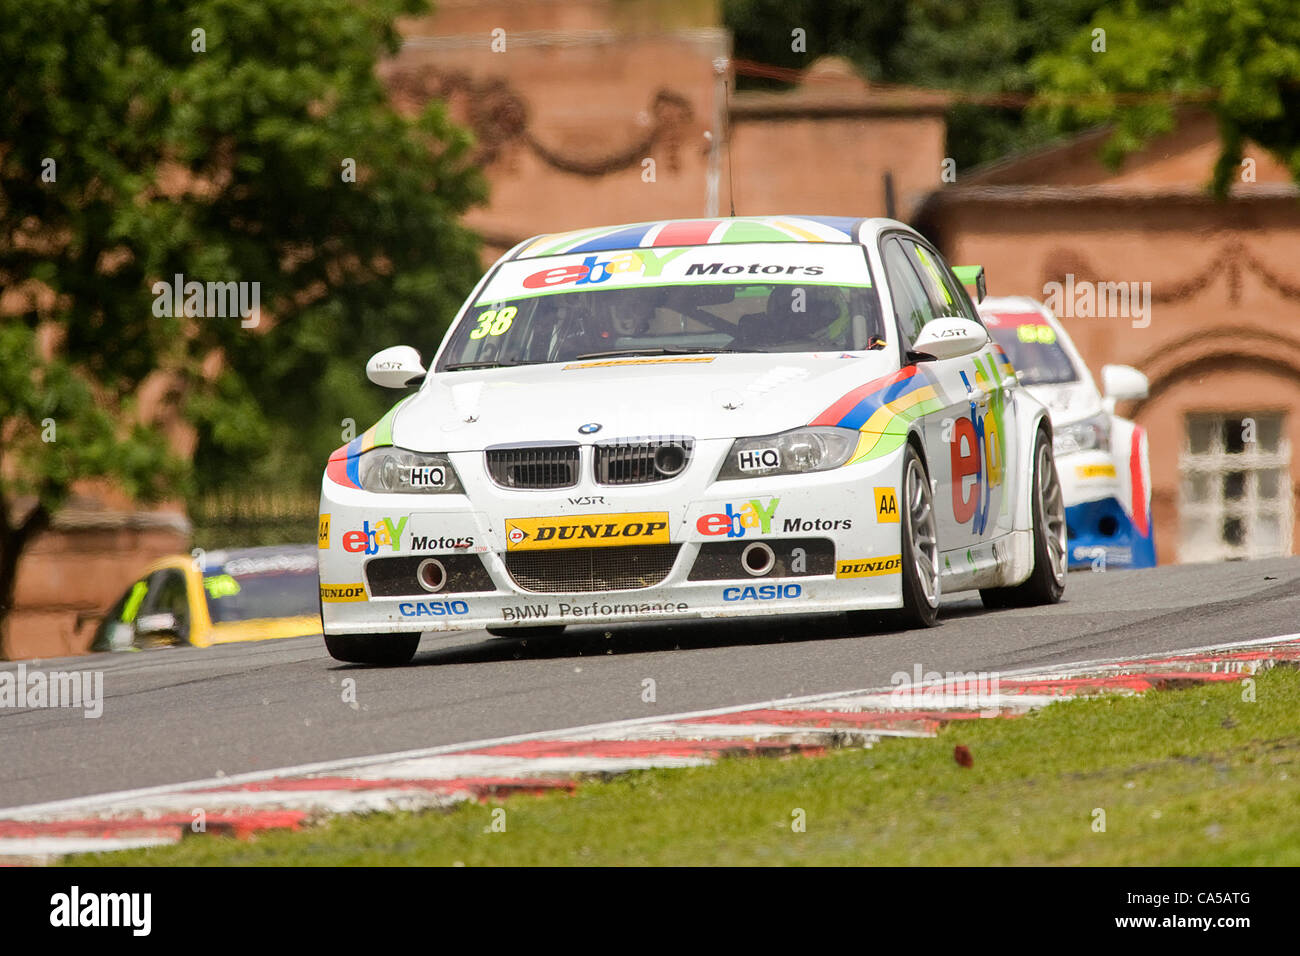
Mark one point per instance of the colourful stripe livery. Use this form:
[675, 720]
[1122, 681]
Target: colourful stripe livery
[882, 410]
[342, 466]
[1004, 360]
[695, 232]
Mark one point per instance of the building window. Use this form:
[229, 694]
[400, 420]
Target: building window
[1235, 498]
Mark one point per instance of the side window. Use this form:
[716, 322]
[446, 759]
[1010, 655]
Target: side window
[940, 288]
[964, 302]
[117, 629]
[167, 594]
[912, 306]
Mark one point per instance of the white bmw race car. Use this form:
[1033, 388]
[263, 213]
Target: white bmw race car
[693, 419]
[1103, 459]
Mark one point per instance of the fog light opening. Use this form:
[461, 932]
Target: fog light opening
[670, 460]
[431, 575]
[757, 559]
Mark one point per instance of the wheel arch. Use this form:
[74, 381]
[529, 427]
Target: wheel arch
[914, 439]
[1038, 418]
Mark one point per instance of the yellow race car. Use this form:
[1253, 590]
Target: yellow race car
[249, 594]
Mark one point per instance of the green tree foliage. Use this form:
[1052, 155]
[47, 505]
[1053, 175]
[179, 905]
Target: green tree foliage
[865, 32]
[209, 139]
[971, 46]
[1241, 56]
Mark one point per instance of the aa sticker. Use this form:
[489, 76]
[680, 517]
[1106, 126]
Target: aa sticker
[887, 505]
[323, 533]
[342, 593]
[869, 567]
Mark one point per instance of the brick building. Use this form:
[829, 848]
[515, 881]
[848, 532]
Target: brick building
[1220, 341]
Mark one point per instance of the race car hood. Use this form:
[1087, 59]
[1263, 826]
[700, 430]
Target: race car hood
[704, 396]
[1069, 402]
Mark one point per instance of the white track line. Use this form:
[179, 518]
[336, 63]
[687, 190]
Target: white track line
[767, 732]
[43, 848]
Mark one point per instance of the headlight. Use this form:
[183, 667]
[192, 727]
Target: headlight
[396, 470]
[790, 453]
[1082, 436]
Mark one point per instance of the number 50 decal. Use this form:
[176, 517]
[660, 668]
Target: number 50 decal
[493, 322]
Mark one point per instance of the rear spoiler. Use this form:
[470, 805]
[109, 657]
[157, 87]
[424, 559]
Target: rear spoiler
[972, 276]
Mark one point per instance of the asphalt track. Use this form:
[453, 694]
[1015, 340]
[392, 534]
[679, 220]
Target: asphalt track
[184, 714]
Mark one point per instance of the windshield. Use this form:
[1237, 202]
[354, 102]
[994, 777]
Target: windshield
[1032, 347]
[761, 297]
[262, 586]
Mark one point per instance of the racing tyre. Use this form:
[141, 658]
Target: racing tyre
[919, 552]
[383, 649]
[1046, 582]
[546, 630]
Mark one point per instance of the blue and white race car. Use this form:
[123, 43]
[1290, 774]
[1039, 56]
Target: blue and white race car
[1103, 459]
[693, 419]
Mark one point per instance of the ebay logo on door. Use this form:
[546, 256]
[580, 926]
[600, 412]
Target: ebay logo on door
[976, 453]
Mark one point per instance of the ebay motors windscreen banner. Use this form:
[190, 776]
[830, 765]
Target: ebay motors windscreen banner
[794, 263]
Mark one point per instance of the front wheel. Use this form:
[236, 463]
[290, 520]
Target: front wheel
[383, 649]
[1046, 582]
[919, 547]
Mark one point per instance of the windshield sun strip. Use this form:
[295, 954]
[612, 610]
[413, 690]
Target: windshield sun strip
[481, 303]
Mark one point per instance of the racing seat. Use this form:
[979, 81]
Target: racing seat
[781, 324]
[753, 331]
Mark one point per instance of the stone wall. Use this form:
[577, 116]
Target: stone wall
[72, 573]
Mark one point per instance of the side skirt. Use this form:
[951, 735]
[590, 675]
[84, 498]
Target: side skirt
[1002, 561]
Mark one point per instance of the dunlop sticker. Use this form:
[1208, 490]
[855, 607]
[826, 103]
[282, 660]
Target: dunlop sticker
[869, 567]
[1095, 471]
[586, 531]
[342, 593]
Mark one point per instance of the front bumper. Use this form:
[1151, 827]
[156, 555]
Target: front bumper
[832, 550]
[1102, 534]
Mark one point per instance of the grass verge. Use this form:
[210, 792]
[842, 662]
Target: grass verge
[1192, 777]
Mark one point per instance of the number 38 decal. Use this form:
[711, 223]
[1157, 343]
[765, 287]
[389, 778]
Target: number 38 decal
[494, 322]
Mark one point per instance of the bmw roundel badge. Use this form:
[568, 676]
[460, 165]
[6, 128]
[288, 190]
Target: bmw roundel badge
[589, 429]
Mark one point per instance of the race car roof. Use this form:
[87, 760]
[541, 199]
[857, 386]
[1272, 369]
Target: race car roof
[694, 232]
[260, 559]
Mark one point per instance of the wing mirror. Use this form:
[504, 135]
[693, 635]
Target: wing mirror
[1123, 383]
[972, 276]
[119, 637]
[948, 338]
[397, 367]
